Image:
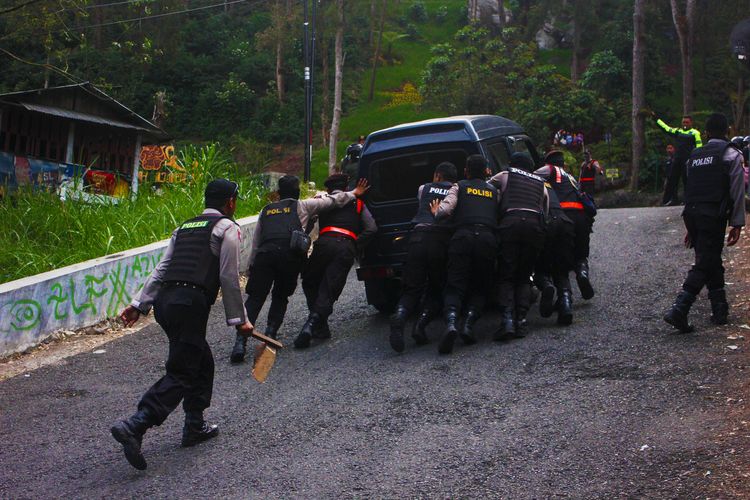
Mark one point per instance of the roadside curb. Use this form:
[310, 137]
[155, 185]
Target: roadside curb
[80, 295]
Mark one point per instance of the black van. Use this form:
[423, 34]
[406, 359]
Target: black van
[397, 160]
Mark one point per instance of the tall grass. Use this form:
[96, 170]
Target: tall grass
[41, 233]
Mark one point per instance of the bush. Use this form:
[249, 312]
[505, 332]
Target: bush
[417, 12]
[442, 14]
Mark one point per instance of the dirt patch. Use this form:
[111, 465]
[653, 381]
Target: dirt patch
[727, 475]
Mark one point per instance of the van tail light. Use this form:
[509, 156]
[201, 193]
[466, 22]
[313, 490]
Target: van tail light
[371, 273]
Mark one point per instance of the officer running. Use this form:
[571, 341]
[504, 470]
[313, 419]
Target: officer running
[343, 231]
[424, 270]
[202, 256]
[523, 211]
[275, 256]
[570, 200]
[713, 197]
[474, 205]
[686, 139]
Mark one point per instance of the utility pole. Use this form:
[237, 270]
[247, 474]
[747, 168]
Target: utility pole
[312, 88]
[306, 57]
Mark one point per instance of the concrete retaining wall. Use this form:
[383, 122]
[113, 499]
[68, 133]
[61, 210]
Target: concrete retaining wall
[80, 295]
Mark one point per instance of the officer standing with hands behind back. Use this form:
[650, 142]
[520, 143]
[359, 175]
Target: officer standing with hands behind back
[713, 197]
[203, 255]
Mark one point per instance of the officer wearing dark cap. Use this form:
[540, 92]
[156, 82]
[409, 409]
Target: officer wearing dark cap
[714, 197]
[202, 256]
[275, 260]
[424, 270]
[523, 211]
[568, 194]
[343, 231]
[474, 205]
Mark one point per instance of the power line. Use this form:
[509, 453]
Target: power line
[164, 14]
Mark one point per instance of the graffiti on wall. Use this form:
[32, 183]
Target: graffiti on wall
[100, 295]
[159, 164]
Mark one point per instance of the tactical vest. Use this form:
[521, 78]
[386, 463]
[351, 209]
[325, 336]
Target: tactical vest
[477, 203]
[708, 176]
[278, 220]
[566, 189]
[192, 260]
[430, 192]
[587, 179]
[525, 191]
[555, 210]
[343, 221]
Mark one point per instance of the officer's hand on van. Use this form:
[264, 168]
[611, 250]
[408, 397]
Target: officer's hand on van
[734, 236]
[129, 316]
[245, 329]
[362, 187]
[434, 206]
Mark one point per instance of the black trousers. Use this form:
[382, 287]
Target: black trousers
[274, 266]
[677, 172]
[425, 270]
[707, 236]
[582, 227]
[183, 314]
[556, 259]
[521, 241]
[325, 275]
[471, 267]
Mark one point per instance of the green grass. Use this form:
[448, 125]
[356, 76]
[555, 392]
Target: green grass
[43, 233]
[370, 116]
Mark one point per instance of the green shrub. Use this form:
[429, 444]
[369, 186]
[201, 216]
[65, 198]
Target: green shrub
[417, 12]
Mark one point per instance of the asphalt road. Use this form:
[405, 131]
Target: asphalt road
[611, 406]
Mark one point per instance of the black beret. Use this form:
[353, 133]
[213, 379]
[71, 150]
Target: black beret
[221, 189]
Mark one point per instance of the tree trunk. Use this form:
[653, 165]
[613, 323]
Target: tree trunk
[738, 107]
[576, 50]
[324, 125]
[500, 14]
[337, 88]
[639, 92]
[376, 55]
[685, 26]
[373, 17]
[98, 20]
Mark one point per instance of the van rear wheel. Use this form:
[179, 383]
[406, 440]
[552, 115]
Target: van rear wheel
[383, 294]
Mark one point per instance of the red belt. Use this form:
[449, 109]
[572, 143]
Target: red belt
[586, 179]
[571, 204]
[340, 230]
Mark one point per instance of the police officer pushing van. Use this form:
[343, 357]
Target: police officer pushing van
[474, 205]
[202, 256]
[279, 249]
[343, 232]
[569, 196]
[523, 211]
[714, 197]
[424, 270]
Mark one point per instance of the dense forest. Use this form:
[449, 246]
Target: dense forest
[232, 70]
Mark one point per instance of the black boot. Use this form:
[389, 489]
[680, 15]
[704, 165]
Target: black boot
[129, 433]
[398, 320]
[451, 332]
[677, 316]
[322, 331]
[272, 329]
[238, 352]
[419, 332]
[547, 301]
[507, 327]
[719, 306]
[565, 307]
[197, 430]
[583, 280]
[467, 332]
[305, 335]
[522, 326]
